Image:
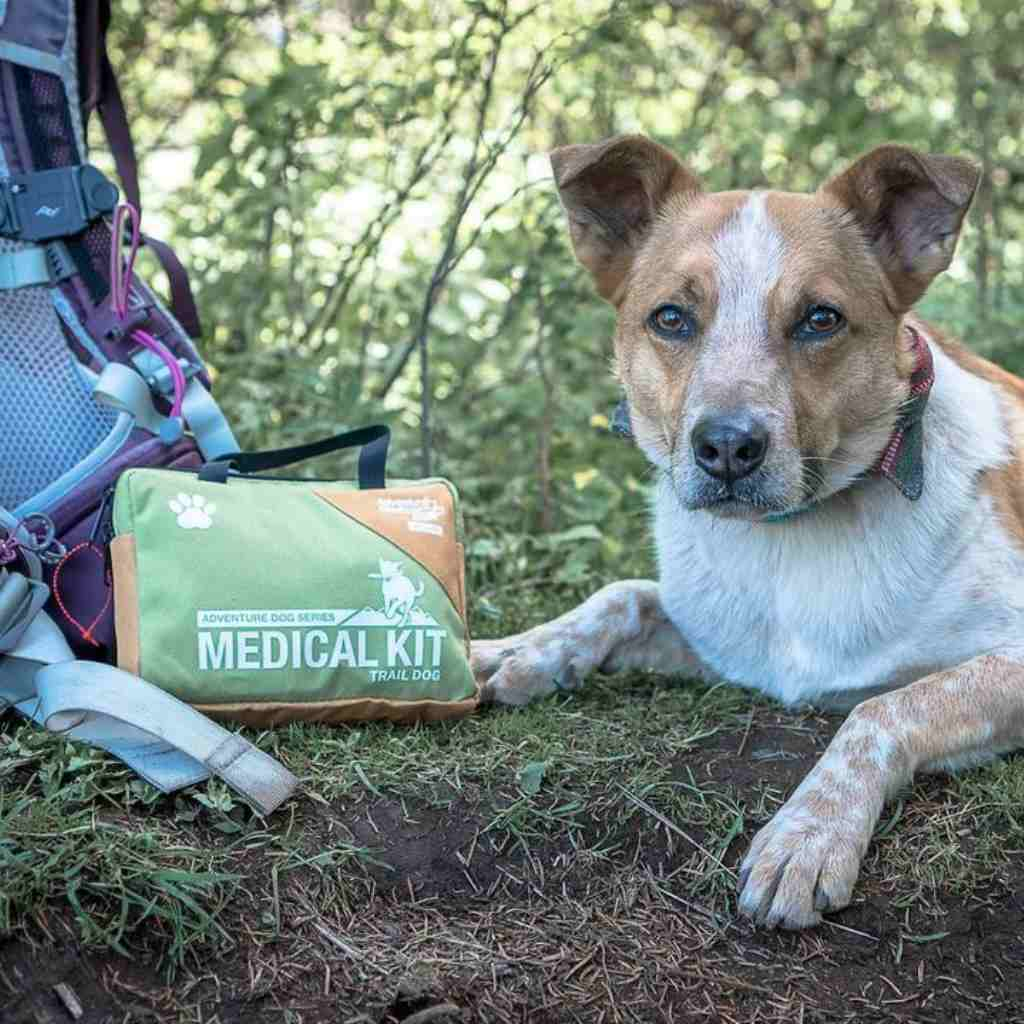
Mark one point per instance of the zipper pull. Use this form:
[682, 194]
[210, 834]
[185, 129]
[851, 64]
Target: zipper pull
[102, 532]
[102, 528]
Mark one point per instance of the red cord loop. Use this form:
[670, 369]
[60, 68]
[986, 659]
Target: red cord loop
[86, 632]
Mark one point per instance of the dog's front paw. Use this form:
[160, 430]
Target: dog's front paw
[518, 669]
[801, 863]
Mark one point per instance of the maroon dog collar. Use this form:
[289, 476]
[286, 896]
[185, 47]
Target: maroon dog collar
[902, 461]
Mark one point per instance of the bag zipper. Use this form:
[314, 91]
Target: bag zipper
[102, 526]
[102, 532]
[235, 475]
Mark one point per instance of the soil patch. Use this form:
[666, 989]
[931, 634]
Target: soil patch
[457, 912]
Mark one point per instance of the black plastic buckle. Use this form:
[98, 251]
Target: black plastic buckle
[42, 205]
[621, 424]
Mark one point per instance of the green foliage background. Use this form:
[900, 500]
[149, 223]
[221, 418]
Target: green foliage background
[355, 182]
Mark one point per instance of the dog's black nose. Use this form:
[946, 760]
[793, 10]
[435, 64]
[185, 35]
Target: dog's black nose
[730, 446]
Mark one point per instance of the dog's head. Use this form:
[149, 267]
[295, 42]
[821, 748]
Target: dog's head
[388, 570]
[759, 335]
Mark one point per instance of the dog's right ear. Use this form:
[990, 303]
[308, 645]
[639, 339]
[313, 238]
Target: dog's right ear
[611, 192]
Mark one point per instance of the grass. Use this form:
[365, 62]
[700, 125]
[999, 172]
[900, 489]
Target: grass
[69, 835]
[76, 830]
[510, 842]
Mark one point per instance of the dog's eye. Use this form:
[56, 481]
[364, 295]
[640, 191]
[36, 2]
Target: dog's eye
[672, 322]
[820, 322]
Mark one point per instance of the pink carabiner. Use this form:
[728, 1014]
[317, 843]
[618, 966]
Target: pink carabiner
[121, 271]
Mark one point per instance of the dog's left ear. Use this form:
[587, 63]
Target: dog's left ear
[612, 191]
[912, 206]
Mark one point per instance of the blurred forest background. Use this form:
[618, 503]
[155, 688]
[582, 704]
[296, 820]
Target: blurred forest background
[361, 192]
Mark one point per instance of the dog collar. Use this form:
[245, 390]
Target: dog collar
[902, 459]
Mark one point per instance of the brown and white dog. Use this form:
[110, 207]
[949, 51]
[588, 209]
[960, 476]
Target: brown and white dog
[831, 526]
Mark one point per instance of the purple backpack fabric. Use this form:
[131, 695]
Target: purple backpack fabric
[96, 373]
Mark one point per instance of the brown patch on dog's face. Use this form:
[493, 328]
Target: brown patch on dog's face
[720, 298]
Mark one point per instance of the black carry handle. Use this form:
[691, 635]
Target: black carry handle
[372, 458]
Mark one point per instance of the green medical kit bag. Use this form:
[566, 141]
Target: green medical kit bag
[266, 600]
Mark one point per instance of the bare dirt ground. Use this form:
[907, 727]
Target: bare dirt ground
[575, 899]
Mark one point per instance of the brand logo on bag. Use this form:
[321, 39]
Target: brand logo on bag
[421, 513]
[194, 512]
[400, 592]
[48, 211]
[396, 643]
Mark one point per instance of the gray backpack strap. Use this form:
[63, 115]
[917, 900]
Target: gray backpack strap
[168, 743]
[21, 599]
[149, 730]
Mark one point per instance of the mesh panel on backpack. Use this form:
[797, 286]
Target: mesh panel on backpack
[48, 419]
[49, 131]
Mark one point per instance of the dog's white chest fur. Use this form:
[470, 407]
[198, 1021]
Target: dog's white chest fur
[866, 591]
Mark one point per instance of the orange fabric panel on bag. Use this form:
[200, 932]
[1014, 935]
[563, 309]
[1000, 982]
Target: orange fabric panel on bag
[126, 602]
[419, 520]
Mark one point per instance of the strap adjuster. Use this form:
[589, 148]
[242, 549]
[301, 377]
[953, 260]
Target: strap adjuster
[42, 205]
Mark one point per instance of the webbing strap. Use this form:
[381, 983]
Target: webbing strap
[29, 267]
[372, 443]
[208, 424]
[21, 599]
[183, 303]
[168, 743]
[115, 126]
[126, 715]
[125, 390]
[122, 388]
[23, 268]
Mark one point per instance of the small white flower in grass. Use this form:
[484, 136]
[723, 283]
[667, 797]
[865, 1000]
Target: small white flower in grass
[194, 512]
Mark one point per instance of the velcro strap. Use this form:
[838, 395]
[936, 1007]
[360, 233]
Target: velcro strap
[247, 769]
[227, 752]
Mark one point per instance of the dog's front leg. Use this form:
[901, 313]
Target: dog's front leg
[806, 859]
[620, 627]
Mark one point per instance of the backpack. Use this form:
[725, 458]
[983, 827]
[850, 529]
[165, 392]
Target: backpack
[87, 389]
[96, 375]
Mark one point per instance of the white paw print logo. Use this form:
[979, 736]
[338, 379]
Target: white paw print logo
[194, 512]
